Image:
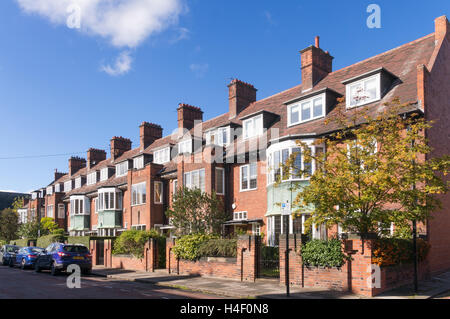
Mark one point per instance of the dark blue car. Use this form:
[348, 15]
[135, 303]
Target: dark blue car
[7, 254]
[26, 257]
[57, 257]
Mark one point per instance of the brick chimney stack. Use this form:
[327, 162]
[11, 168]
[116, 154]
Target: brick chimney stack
[187, 114]
[75, 164]
[119, 145]
[58, 175]
[316, 64]
[94, 156]
[240, 95]
[442, 28]
[149, 133]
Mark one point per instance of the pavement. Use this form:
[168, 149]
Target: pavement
[266, 288]
[262, 288]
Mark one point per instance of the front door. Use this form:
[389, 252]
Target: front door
[100, 249]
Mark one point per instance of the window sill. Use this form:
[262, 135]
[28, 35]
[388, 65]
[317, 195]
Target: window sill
[248, 190]
[135, 205]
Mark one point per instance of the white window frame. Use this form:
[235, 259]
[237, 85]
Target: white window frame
[122, 169]
[91, 178]
[185, 146]
[223, 180]
[218, 136]
[83, 205]
[140, 199]
[161, 199]
[175, 187]
[63, 215]
[299, 105]
[50, 212]
[348, 89]
[161, 156]
[255, 130]
[103, 200]
[104, 174]
[240, 216]
[249, 177]
[256, 229]
[68, 186]
[187, 180]
[77, 182]
[138, 162]
[49, 190]
[57, 188]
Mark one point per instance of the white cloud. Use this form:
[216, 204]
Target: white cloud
[199, 69]
[183, 34]
[121, 66]
[125, 23]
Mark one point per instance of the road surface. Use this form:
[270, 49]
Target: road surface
[16, 283]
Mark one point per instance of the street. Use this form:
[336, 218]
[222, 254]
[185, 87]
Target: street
[18, 284]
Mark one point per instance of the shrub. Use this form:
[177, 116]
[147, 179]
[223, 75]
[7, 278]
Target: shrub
[187, 247]
[396, 251]
[132, 242]
[44, 241]
[218, 247]
[83, 240]
[323, 253]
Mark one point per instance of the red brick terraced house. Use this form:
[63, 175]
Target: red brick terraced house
[238, 153]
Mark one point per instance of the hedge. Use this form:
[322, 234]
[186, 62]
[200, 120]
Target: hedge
[132, 242]
[83, 240]
[395, 251]
[44, 241]
[323, 253]
[188, 246]
[218, 247]
[21, 242]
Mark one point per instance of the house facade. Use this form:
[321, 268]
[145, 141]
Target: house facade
[238, 154]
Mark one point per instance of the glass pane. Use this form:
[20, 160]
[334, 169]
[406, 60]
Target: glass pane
[306, 111]
[294, 115]
[297, 225]
[277, 229]
[308, 167]
[371, 89]
[297, 162]
[276, 164]
[258, 125]
[317, 109]
[285, 158]
[244, 177]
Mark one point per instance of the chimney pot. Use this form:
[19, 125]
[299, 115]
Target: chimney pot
[149, 132]
[317, 42]
[240, 95]
[119, 145]
[187, 115]
[316, 64]
[75, 164]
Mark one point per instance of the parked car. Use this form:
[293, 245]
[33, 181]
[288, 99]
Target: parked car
[57, 257]
[7, 252]
[26, 256]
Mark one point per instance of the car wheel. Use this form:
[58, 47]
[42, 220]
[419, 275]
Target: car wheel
[87, 272]
[53, 270]
[37, 268]
[23, 264]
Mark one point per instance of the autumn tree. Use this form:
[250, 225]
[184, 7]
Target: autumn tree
[373, 171]
[194, 211]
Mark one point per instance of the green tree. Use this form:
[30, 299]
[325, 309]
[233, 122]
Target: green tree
[48, 226]
[36, 228]
[9, 224]
[17, 204]
[194, 211]
[373, 171]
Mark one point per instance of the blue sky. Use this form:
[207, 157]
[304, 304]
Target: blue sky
[57, 97]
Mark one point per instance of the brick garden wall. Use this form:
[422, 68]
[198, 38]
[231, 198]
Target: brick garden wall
[243, 267]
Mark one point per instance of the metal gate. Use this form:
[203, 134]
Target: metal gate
[100, 250]
[268, 261]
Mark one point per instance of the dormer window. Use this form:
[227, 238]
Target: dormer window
[161, 156]
[306, 110]
[104, 174]
[253, 127]
[220, 136]
[363, 91]
[78, 182]
[122, 169]
[185, 146]
[49, 190]
[92, 178]
[68, 186]
[138, 162]
[57, 188]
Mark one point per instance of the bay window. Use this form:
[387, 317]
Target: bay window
[108, 199]
[79, 205]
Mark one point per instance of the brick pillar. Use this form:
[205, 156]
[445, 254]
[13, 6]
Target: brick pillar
[150, 255]
[171, 259]
[247, 256]
[93, 250]
[360, 266]
[108, 253]
[295, 260]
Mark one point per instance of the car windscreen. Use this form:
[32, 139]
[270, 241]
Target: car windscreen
[36, 250]
[76, 249]
[12, 249]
